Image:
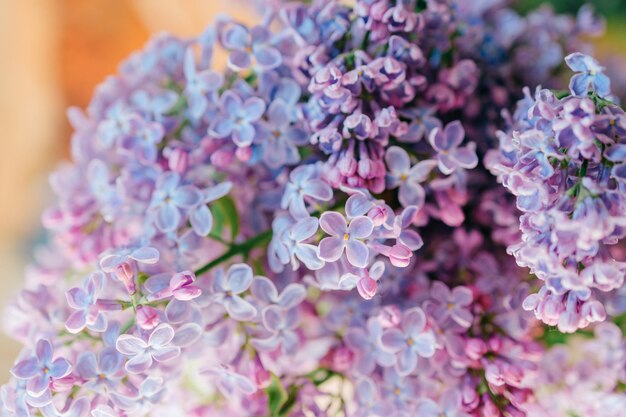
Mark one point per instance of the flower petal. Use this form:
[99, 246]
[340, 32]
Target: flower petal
[360, 227]
[139, 363]
[414, 321]
[161, 335]
[166, 353]
[333, 223]
[130, 345]
[292, 295]
[146, 255]
[308, 255]
[26, 369]
[264, 290]
[239, 309]
[411, 193]
[317, 189]
[357, 253]
[397, 160]
[393, 340]
[407, 362]
[168, 217]
[201, 220]
[331, 248]
[239, 278]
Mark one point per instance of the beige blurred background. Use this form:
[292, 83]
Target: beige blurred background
[53, 53]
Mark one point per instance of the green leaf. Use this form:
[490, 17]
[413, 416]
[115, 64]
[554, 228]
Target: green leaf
[552, 336]
[225, 213]
[276, 396]
[620, 321]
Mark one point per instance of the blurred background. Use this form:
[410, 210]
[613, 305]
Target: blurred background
[56, 51]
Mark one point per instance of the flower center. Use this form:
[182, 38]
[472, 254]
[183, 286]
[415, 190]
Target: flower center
[410, 342]
[404, 176]
[346, 236]
[450, 306]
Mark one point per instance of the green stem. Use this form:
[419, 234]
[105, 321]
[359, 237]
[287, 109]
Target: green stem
[126, 327]
[243, 248]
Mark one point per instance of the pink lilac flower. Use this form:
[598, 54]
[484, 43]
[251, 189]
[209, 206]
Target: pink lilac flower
[365, 280]
[179, 286]
[344, 236]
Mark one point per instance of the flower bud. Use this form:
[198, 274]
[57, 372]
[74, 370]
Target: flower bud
[147, 317]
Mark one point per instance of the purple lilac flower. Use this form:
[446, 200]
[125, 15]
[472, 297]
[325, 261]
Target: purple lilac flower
[41, 369]
[450, 406]
[280, 145]
[365, 280]
[85, 301]
[179, 286]
[301, 185]
[227, 289]
[288, 244]
[589, 74]
[408, 179]
[171, 199]
[231, 383]
[344, 236]
[142, 353]
[366, 343]
[410, 341]
[145, 255]
[281, 325]
[449, 156]
[143, 398]
[451, 304]
[246, 45]
[265, 291]
[200, 217]
[201, 86]
[101, 372]
[237, 118]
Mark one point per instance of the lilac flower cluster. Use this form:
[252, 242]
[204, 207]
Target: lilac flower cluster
[564, 160]
[310, 230]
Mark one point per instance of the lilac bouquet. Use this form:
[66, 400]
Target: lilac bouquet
[345, 221]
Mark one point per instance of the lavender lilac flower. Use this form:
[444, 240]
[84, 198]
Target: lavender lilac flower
[314, 229]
